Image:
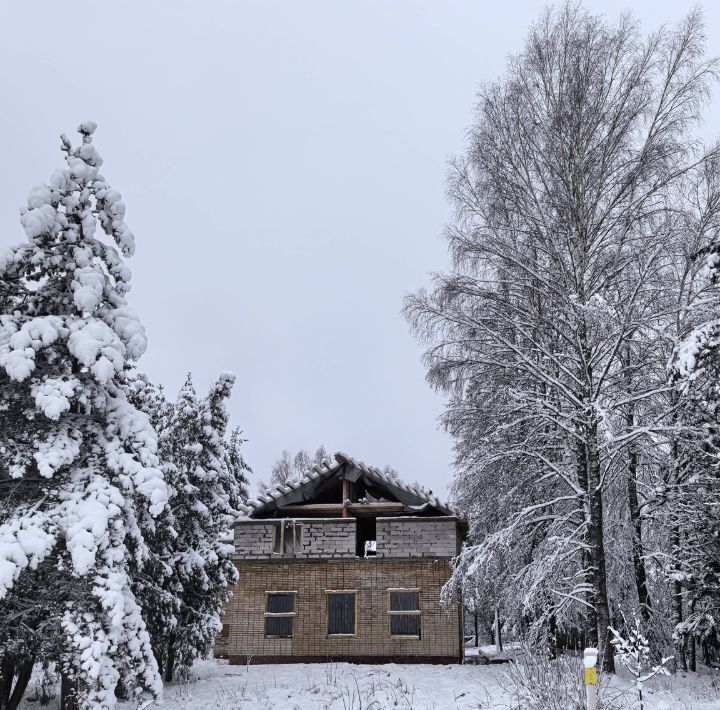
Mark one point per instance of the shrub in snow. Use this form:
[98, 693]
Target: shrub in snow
[79, 469]
[536, 682]
[634, 652]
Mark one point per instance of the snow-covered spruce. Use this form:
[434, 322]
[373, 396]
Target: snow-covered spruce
[79, 468]
[190, 567]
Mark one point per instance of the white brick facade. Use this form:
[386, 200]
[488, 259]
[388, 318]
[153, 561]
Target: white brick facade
[417, 537]
[334, 538]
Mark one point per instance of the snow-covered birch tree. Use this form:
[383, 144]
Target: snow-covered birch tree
[562, 203]
[292, 467]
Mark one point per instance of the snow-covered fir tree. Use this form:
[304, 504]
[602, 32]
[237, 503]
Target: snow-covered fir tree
[237, 465]
[155, 582]
[79, 470]
[208, 480]
[192, 442]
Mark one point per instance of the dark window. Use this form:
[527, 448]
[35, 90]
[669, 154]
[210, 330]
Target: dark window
[341, 613]
[280, 603]
[404, 612]
[405, 601]
[404, 625]
[365, 537]
[279, 613]
[279, 626]
[225, 631]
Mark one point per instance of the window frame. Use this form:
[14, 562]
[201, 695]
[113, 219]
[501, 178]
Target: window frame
[328, 593]
[280, 614]
[405, 612]
[279, 534]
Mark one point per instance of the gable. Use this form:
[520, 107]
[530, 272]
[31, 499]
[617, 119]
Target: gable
[324, 485]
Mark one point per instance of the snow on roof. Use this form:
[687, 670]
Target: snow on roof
[326, 469]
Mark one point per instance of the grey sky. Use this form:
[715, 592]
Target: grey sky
[283, 167]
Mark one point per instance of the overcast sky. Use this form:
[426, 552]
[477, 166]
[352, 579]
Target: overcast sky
[283, 167]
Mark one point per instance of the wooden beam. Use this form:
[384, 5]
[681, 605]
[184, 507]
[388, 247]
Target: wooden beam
[345, 496]
[387, 507]
[312, 508]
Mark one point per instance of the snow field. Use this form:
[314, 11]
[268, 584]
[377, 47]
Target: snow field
[215, 685]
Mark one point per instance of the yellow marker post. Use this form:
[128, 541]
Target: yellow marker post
[590, 661]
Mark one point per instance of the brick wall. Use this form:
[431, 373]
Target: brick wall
[326, 537]
[254, 539]
[245, 624]
[335, 537]
[417, 537]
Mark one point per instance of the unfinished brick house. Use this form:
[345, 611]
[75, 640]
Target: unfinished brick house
[346, 564]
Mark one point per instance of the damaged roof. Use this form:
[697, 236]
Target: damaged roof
[415, 499]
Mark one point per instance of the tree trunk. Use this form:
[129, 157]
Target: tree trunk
[634, 505]
[7, 674]
[680, 660]
[475, 621]
[597, 552]
[21, 684]
[677, 606]
[590, 614]
[552, 637]
[68, 693]
[157, 653]
[692, 660]
[170, 660]
[637, 547]
[498, 631]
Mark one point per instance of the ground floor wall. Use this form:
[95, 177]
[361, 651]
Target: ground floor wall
[243, 638]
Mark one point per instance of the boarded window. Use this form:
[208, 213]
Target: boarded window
[404, 625]
[404, 600]
[280, 602]
[279, 626]
[287, 538]
[404, 612]
[279, 614]
[341, 613]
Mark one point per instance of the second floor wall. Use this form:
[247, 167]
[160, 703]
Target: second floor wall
[338, 538]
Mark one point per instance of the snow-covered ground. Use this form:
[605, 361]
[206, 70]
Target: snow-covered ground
[343, 686]
[215, 685]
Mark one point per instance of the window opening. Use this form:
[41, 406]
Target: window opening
[365, 537]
